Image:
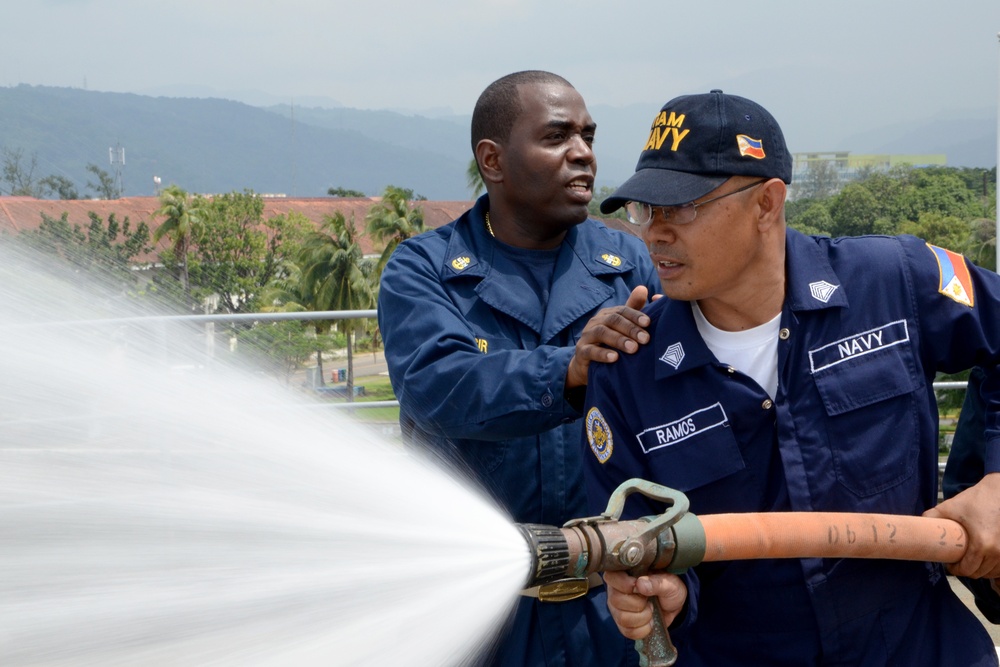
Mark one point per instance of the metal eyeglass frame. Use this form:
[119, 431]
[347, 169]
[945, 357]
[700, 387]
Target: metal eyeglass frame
[640, 213]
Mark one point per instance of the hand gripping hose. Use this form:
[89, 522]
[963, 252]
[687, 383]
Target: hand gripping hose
[562, 558]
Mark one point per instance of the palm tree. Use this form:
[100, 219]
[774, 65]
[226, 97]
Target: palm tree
[182, 223]
[392, 221]
[336, 276]
[474, 179]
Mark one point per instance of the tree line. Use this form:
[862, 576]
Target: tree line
[951, 207]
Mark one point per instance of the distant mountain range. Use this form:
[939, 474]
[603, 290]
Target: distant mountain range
[215, 145]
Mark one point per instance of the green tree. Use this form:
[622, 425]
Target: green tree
[60, 186]
[276, 347]
[105, 249]
[942, 230]
[821, 180]
[344, 192]
[237, 252]
[474, 179]
[181, 225]
[982, 246]
[19, 173]
[336, 276]
[855, 211]
[812, 218]
[594, 207]
[393, 220]
[106, 188]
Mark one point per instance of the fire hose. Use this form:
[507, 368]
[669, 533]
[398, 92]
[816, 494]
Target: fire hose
[563, 558]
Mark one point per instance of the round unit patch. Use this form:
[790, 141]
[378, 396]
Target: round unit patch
[599, 435]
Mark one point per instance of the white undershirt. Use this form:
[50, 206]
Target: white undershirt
[753, 352]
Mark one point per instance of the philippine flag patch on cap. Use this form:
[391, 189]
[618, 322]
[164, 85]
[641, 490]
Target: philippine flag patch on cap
[750, 147]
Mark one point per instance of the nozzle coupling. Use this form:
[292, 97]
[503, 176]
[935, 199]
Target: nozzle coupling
[549, 553]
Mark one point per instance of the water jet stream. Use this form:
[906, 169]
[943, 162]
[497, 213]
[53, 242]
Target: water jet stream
[154, 517]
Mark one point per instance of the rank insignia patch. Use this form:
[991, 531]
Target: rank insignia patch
[822, 290]
[674, 355]
[599, 435]
[461, 263]
[611, 260]
[750, 147]
[955, 281]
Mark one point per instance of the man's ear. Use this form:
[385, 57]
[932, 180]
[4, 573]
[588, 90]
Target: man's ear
[488, 154]
[771, 200]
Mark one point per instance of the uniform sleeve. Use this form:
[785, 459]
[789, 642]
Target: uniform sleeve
[441, 377]
[958, 306]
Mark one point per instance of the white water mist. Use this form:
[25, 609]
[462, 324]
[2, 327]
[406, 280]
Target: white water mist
[156, 517]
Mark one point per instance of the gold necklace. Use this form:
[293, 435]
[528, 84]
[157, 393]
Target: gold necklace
[489, 227]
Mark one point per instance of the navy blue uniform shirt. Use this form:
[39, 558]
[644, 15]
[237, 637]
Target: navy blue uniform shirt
[479, 369]
[866, 324]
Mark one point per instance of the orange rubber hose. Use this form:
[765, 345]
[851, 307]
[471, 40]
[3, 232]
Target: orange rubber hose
[831, 535]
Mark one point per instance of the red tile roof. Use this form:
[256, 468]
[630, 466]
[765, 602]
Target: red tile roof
[21, 213]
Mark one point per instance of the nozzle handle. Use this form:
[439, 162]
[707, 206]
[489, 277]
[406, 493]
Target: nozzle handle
[656, 650]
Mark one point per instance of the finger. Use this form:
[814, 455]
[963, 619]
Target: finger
[619, 328]
[971, 566]
[638, 298]
[634, 625]
[660, 585]
[619, 581]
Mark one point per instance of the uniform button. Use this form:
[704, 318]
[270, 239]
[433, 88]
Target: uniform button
[784, 334]
[767, 404]
[546, 400]
[731, 369]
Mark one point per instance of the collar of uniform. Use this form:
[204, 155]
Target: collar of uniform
[677, 345]
[596, 251]
[468, 243]
[470, 249]
[811, 282]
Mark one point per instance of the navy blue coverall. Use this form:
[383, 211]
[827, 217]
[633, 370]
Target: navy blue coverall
[866, 323]
[479, 372]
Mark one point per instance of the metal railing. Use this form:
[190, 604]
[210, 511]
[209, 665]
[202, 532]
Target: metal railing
[308, 316]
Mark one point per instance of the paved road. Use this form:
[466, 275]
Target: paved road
[366, 364]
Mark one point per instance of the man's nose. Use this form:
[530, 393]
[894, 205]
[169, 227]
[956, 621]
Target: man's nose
[581, 151]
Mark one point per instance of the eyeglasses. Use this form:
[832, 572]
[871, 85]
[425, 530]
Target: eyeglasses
[639, 213]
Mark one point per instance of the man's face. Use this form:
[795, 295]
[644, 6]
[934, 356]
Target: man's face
[715, 255]
[548, 160]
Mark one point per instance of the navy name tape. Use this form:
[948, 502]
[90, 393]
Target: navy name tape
[686, 427]
[858, 345]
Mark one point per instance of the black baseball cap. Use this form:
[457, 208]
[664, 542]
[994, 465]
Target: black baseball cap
[696, 143]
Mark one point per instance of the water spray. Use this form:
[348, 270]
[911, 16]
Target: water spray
[563, 558]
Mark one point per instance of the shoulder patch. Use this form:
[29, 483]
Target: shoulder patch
[955, 282]
[599, 435]
[462, 262]
[611, 260]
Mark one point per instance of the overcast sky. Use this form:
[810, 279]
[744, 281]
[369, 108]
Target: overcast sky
[823, 68]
